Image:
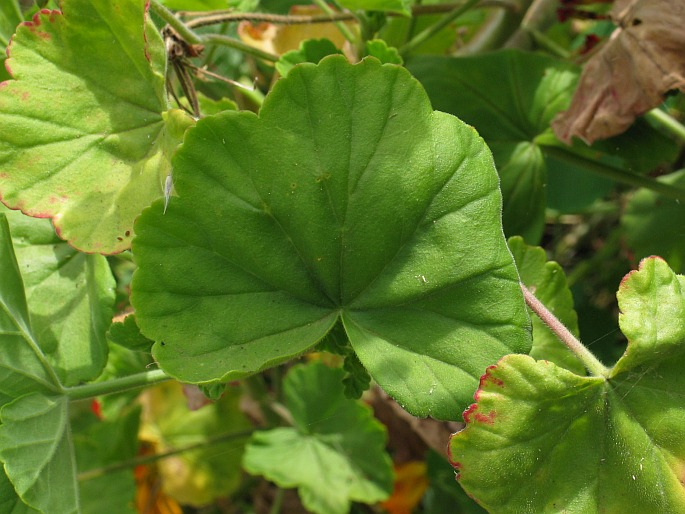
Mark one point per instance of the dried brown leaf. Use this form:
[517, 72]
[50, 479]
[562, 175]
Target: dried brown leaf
[642, 61]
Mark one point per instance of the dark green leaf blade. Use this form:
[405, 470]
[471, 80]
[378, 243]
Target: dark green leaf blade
[36, 449]
[84, 136]
[357, 207]
[336, 452]
[624, 433]
[654, 225]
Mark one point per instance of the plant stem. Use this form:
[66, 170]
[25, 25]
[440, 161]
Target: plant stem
[667, 124]
[219, 39]
[593, 365]
[116, 385]
[344, 30]
[616, 174]
[429, 32]
[181, 29]
[278, 501]
[149, 459]
[203, 18]
[256, 388]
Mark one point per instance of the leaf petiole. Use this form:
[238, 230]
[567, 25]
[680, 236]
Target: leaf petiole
[116, 385]
[591, 363]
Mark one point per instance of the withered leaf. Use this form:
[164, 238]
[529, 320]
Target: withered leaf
[642, 61]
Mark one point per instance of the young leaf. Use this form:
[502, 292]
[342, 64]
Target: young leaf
[36, 449]
[311, 50]
[548, 282]
[127, 334]
[623, 433]
[334, 454]
[84, 136]
[380, 50]
[70, 297]
[368, 206]
[23, 367]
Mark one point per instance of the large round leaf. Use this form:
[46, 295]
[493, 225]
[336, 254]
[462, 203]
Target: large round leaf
[348, 196]
[84, 136]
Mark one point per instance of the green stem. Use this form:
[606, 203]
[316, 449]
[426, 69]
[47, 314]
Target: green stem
[278, 501]
[218, 39]
[344, 30]
[256, 388]
[667, 124]
[181, 29]
[616, 174]
[429, 32]
[593, 365]
[116, 385]
[149, 459]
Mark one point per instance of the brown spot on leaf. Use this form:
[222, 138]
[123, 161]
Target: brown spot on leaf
[642, 61]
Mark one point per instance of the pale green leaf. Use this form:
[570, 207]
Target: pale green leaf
[70, 296]
[84, 136]
[23, 367]
[334, 454]
[200, 476]
[36, 449]
[541, 439]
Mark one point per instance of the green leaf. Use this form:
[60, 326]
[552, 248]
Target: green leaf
[10, 503]
[219, 429]
[334, 454]
[398, 6]
[654, 225]
[84, 136]
[624, 433]
[103, 442]
[547, 281]
[359, 210]
[10, 17]
[443, 495]
[70, 296]
[311, 50]
[380, 50]
[127, 334]
[36, 449]
[23, 367]
[510, 97]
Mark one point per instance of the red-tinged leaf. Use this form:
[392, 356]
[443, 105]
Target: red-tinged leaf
[624, 433]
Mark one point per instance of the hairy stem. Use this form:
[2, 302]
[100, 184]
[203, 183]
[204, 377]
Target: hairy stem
[218, 39]
[201, 19]
[116, 385]
[591, 363]
[344, 29]
[429, 32]
[181, 29]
